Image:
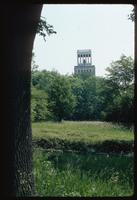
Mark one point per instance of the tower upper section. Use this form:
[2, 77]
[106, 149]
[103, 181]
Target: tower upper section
[84, 62]
[84, 57]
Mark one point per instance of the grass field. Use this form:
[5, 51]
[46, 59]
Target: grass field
[61, 174]
[82, 173]
[85, 131]
[83, 136]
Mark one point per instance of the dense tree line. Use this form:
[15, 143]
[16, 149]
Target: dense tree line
[85, 97]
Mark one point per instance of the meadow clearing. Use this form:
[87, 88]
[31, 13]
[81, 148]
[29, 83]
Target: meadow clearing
[92, 159]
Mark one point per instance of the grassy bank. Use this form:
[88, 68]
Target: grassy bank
[83, 136]
[85, 173]
[70, 174]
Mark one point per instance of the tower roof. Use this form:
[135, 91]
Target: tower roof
[81, 51]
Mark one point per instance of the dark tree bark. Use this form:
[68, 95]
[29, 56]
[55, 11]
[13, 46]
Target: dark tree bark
[135, 103]
[18, 28]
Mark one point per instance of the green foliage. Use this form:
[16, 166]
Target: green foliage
[102, 97]
[44, 28]
[121, 72]
[88, 97]
[131, 16]
[34, 66]
[61, 101]
[43, 79]
[85, 93]
[69, 174]
[84, 76]
[39, 110]
[120, 80]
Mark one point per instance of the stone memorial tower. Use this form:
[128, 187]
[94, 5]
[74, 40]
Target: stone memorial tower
[84, 63]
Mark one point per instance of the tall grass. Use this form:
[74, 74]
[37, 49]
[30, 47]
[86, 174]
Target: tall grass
[81, 131]
[83, 136]
[69, 174]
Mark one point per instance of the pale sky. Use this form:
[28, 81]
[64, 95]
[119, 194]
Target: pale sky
[105, 29]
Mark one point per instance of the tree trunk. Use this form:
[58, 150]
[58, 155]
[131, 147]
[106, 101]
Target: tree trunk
[18, 28]
[135, 101]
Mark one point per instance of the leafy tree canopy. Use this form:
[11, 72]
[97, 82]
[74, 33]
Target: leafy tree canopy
[44, 28]
[131, 16]
[60, 98]
[121, 72]
[72, 97]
